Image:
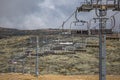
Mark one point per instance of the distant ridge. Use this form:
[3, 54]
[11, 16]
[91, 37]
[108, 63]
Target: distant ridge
[8, 32]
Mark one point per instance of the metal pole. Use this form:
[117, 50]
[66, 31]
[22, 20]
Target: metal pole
[89, 25]
[62, 31]
[119, 32]
[37, 50]
[102, 47]
[15, 68]
[88, 28]
[23, 65]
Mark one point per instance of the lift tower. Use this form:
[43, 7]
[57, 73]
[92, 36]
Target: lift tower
[101, 6]
[37, 59]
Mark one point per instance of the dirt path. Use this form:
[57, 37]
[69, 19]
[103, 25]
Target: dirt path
[16, 76]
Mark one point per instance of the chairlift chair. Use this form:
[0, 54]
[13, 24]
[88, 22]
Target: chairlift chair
[117, 5]
[87, 6]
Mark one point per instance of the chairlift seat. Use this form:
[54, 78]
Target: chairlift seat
[85, 8]
[116, 9]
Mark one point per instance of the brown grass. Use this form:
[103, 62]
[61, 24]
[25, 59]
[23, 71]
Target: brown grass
[17, 76]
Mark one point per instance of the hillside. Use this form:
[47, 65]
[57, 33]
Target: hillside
[8, 32]
[65, 63]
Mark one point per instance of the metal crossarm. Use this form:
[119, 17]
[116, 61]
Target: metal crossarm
[88, 7]
[101, 6]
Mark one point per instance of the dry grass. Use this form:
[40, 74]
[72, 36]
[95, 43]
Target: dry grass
[85, 63]
[17, 76]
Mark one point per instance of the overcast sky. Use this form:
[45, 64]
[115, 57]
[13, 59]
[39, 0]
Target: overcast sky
[36, 14]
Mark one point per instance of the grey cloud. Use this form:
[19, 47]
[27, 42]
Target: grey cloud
[11, 8]
[14, 13]
[33, 14]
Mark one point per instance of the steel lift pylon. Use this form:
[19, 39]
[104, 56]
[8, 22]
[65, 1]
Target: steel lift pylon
[87, 6]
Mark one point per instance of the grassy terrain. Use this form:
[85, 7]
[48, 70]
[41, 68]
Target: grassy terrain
[68, 64]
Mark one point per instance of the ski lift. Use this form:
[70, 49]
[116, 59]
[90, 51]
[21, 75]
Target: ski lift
[86, 6]
[14, 61]
[116, 5]
[66, 43]
[69, 48]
